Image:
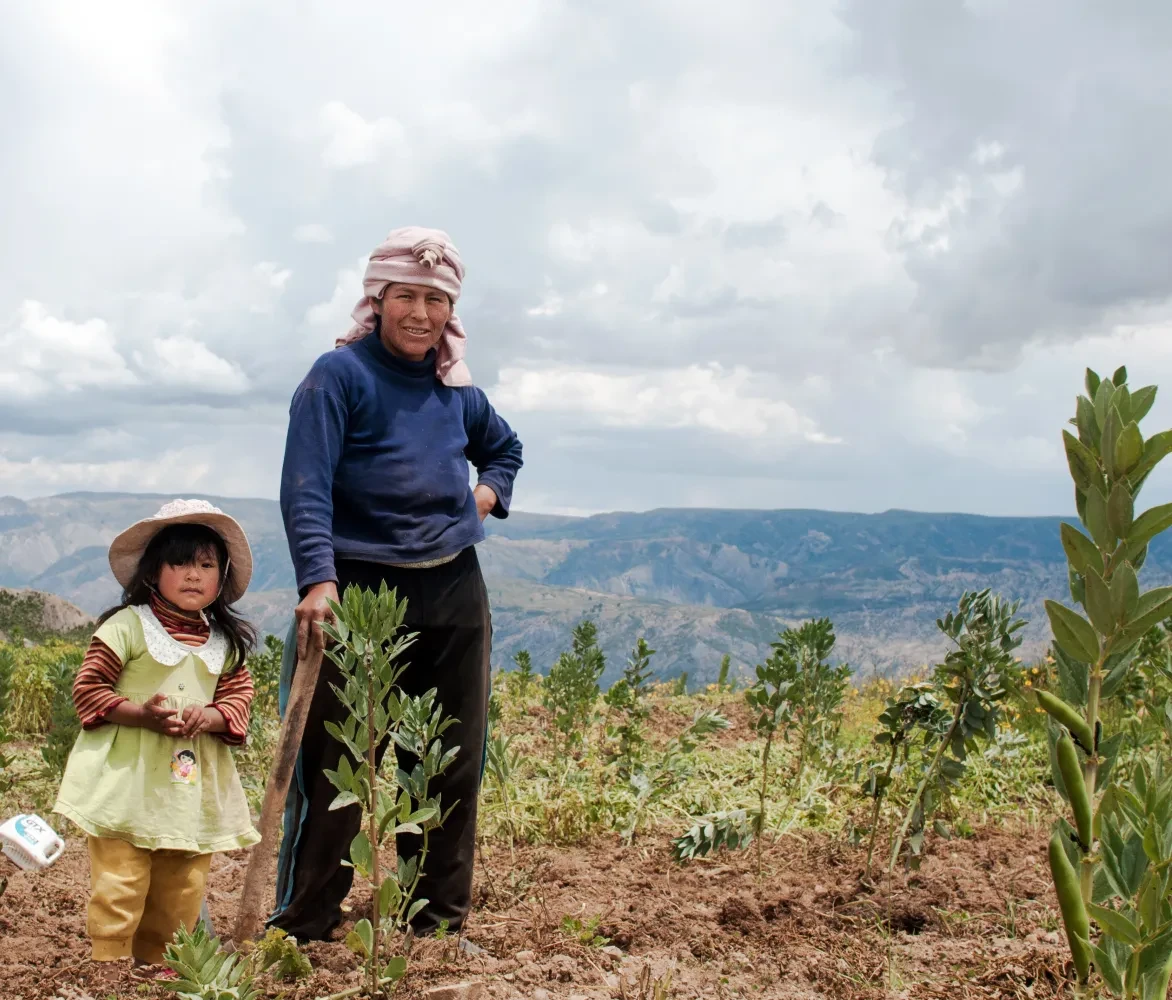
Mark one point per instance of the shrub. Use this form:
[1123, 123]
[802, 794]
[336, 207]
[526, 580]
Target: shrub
[1111, 854]
[368, 642]
[64, 725]
[571, 689]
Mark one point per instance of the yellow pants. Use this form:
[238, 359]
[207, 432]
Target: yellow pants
[138, 898]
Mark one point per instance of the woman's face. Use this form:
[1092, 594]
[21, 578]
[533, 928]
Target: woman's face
[413, 319]
[192, 587]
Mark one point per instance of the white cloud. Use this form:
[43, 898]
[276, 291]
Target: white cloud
[162, 471]
[706, 397]
[334, 313]
[351, 141]
[313, 232]
[183, 361]
[43, 353]
[793, 213]
[276, 276]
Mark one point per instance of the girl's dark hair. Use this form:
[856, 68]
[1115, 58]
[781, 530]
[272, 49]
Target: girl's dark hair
[181, 545]
[189, 754]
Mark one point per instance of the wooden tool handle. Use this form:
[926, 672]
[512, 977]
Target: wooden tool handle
[262, 859]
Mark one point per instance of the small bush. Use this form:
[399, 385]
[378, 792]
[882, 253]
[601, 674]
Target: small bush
[30, 709]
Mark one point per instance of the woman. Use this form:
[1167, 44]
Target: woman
[375, 487]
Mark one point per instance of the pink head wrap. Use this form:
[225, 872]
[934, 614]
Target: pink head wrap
[416, 256]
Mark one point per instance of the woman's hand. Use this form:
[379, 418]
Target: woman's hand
[485, 500]
[311, 612]
[202, 719]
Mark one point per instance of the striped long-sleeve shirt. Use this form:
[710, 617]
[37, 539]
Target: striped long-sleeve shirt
[94, 694]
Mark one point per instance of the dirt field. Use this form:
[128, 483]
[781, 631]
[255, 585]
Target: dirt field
[977, 921]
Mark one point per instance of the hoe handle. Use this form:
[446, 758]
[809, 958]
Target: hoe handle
[262, 858]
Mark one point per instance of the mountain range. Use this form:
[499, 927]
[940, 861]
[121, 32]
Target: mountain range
[696, 583]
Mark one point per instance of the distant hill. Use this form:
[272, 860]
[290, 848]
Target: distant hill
[697, 583]
[32, 615]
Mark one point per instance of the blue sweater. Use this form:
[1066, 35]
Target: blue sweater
[376, 462]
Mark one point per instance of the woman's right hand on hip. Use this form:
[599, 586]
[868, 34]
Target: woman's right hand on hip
[311, 612]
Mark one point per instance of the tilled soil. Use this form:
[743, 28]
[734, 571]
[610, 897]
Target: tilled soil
[977, 921]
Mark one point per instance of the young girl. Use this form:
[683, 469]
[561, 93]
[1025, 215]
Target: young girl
[162, 693]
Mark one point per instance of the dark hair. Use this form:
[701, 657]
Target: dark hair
[189, 754]
[182, 545]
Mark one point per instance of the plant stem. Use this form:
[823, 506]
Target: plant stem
[354, 991]
[1091, 773]
[761, 795]
[945, 743]
[372, 813]
[878, 803]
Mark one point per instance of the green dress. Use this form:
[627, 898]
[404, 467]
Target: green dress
[158, 792]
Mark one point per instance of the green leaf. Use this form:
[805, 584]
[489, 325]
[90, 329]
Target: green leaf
[416, 906]
[1157, 448]
[1092, 383]
[1129, 449]
[1102, 400]
[1120, 377]
[1155, 983]
[1152, 608]
[361, 854]
[1081, 552]
[355, 944]
[1112, 430]
[365, 932]
[1073, 676]
[1098, 603]
[1073, 633]
[1151, 905]
[396, 968]
[1088, 426]
[1084, 470]
[1115, 924]
[1109, 965]
[1096, 520]
[1120, 510]
[1141, 402]
[389, 895]
[342, 800]
[1148, 525]
[1124, 593]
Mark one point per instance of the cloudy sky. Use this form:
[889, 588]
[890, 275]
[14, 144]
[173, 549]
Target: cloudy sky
[848, 255]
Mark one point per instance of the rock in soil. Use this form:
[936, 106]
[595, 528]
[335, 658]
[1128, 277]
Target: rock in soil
[457, 991]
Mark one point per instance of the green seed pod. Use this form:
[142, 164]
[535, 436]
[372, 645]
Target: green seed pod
[1066, 715]
[1076, 789]
[1074, 913]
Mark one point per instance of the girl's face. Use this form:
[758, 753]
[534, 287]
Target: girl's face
[192, 587]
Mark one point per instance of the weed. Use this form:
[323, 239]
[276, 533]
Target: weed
[571, 689]
[64, 725]
[628, 698]
[585, 931]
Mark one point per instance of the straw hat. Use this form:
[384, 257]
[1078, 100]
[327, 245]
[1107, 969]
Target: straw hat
[126, 550]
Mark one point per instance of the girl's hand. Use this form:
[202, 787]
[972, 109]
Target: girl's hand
[153, 715]
[202, 719]
[157, 718]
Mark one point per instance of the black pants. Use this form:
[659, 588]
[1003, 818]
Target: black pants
[448, 606]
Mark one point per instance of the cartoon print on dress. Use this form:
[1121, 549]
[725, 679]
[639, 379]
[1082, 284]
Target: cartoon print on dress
[183, 767]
